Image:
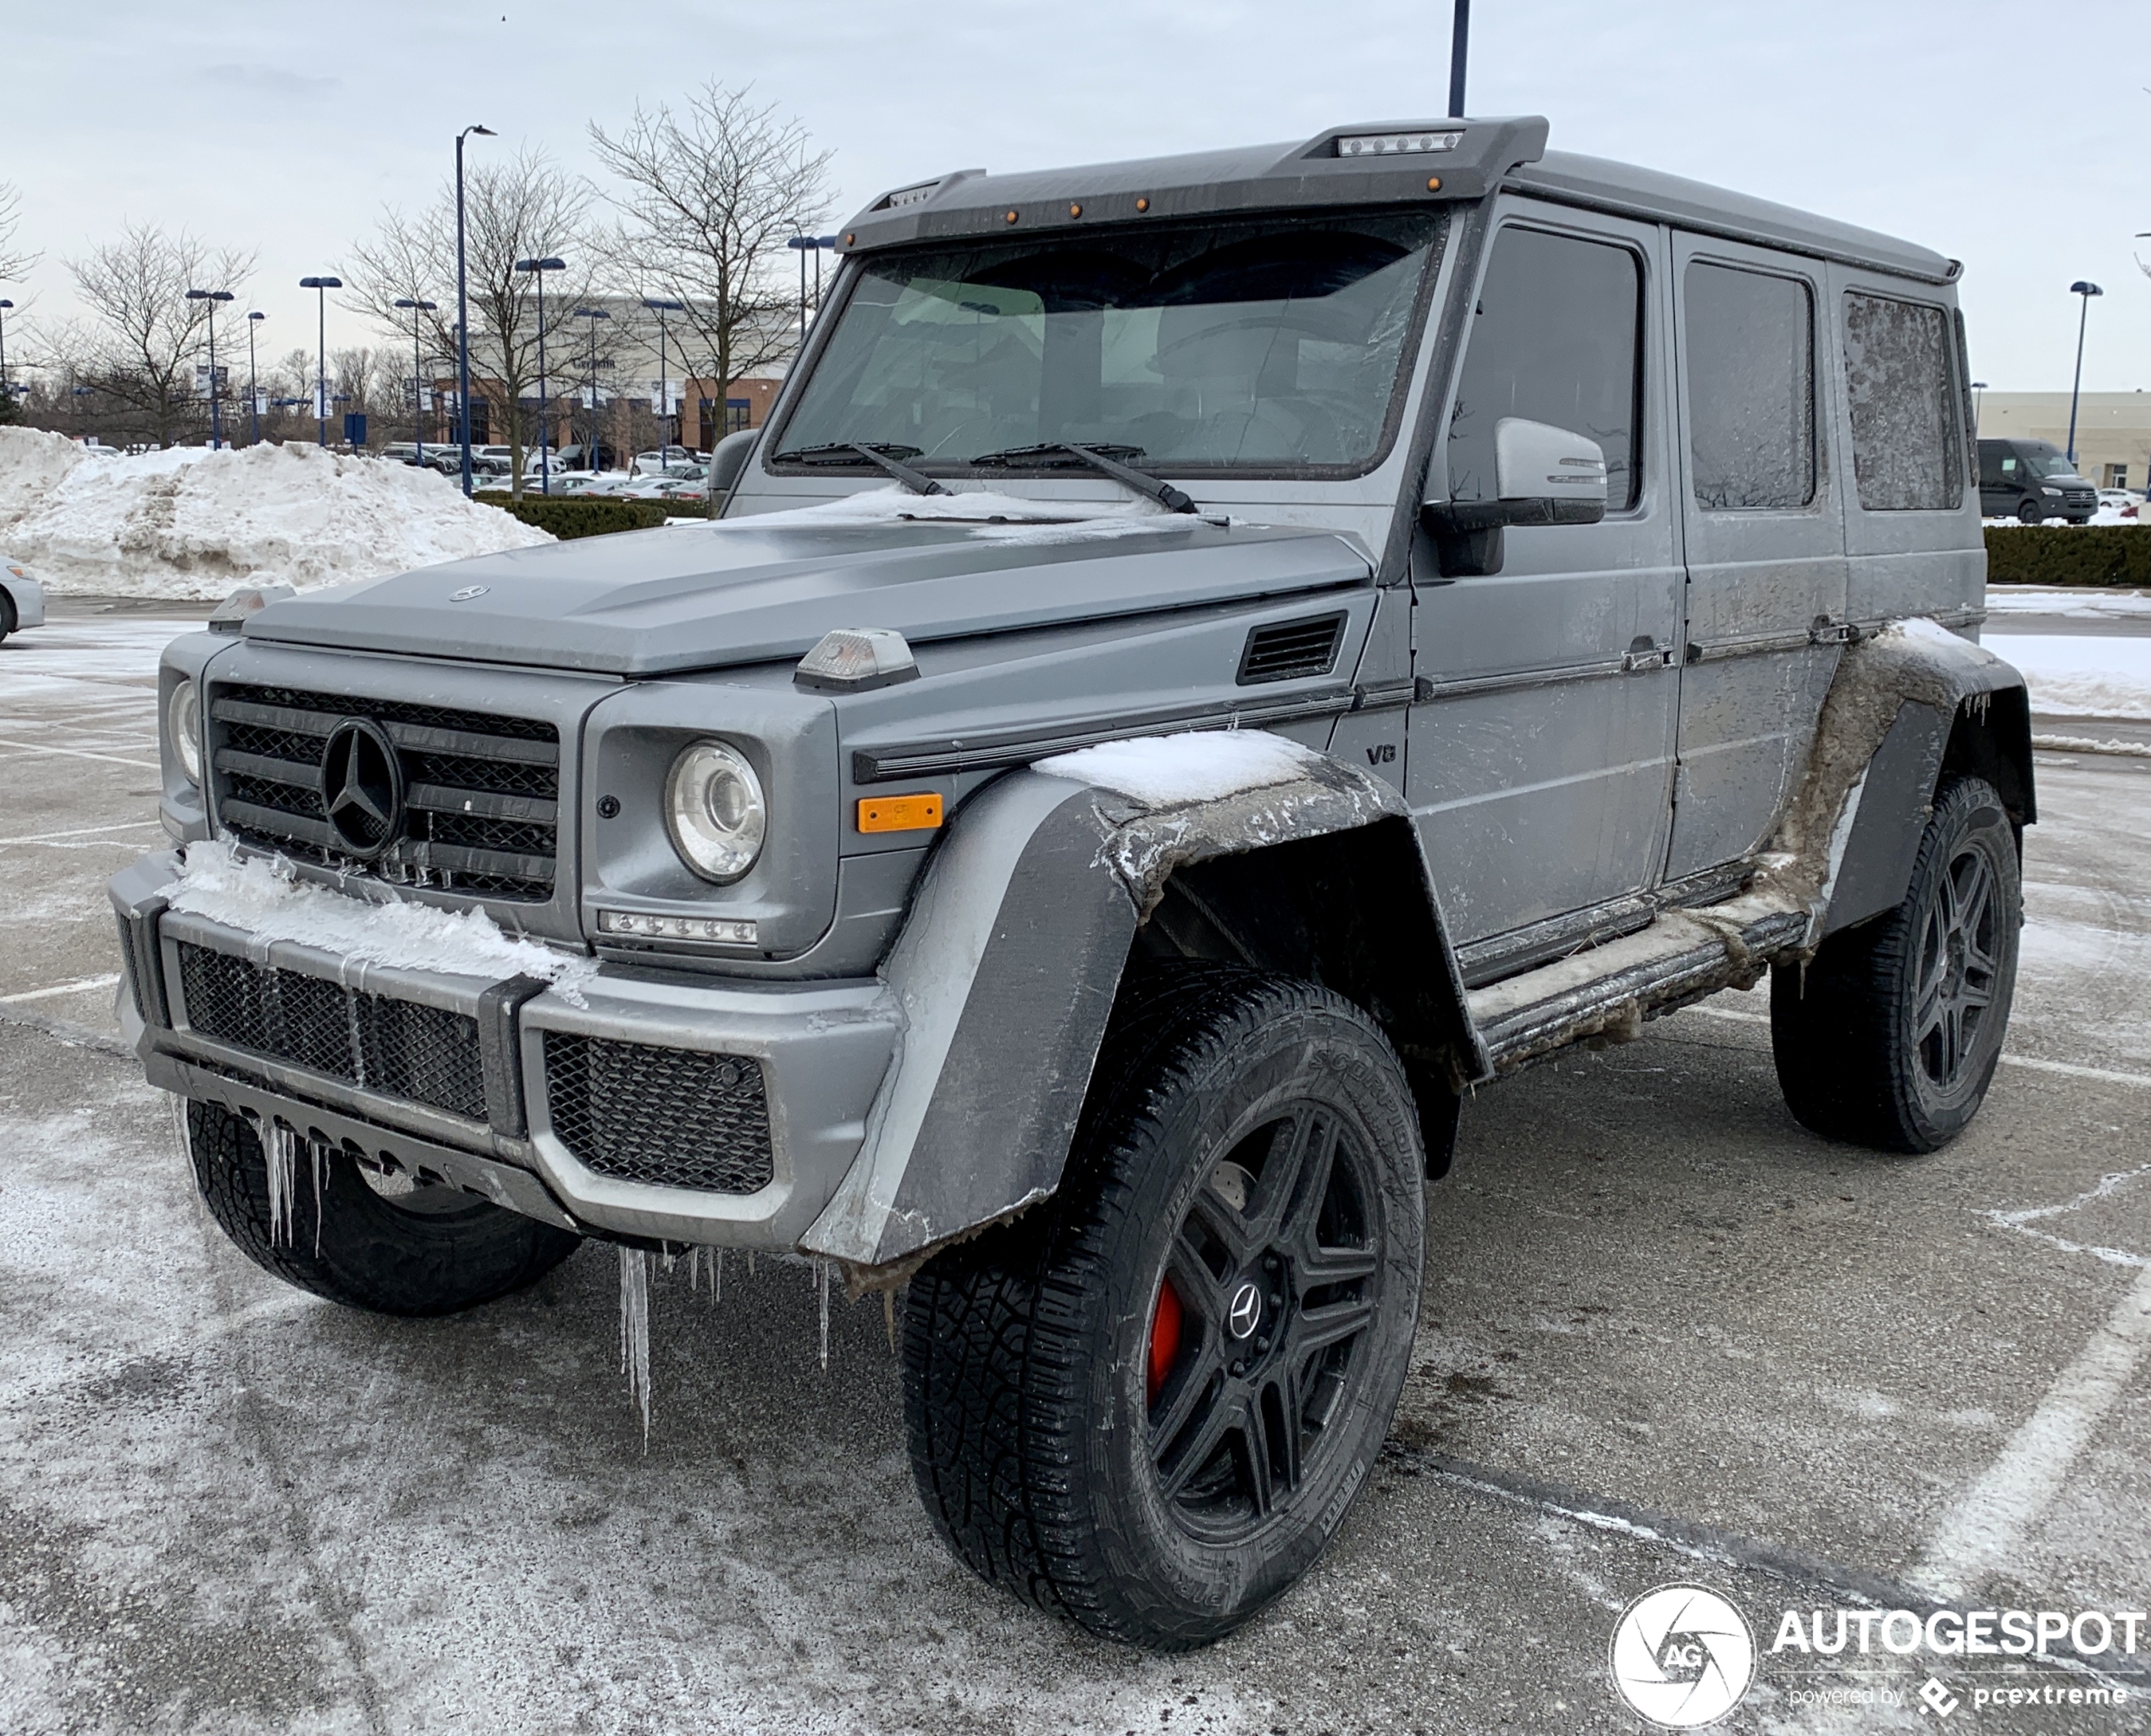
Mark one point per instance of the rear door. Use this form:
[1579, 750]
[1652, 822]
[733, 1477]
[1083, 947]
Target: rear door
[1539, 751]
[1764, 536]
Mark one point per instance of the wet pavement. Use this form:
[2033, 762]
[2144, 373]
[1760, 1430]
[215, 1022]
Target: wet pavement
[1666, 1335]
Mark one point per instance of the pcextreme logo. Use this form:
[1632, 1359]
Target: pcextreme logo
[1682, 1656]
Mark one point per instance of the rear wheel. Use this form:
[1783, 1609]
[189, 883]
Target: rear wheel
[328, 1232]
[1891, 1036]
[1150, 1402]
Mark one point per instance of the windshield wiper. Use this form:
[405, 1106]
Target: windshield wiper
[887, 454]
[1106, 461]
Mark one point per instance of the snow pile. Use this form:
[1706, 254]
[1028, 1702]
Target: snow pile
[2060, 600]
[268, 901]
[2069, 677]
[1167, 770]
[189, 522]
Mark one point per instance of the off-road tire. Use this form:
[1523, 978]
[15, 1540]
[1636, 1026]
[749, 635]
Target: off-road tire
[2029, 511]
[351, 1246]
[7, 616]
[1027, 1350]
[1848, 1030]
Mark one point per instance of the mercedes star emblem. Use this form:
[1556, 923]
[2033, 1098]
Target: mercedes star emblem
[469, 592]
[1246, 1312]
[361, 787]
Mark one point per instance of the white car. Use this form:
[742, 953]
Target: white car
[2120, 502]
[22, 598]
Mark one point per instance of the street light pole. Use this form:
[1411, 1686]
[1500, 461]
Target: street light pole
[321, 287]
[417, 371]
[253, 382]
[538, 268]
[4, 306]
[463, 309]
[664, 382]
[2086, 291]
[1459, 41]
[594, 315]
[216, 419]
[1978, 398]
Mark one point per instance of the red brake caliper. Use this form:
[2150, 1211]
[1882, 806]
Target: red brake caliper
[1164, 1336]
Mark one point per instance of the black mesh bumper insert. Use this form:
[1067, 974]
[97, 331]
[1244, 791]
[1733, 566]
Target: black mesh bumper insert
[399, 1048]
[669, 1117]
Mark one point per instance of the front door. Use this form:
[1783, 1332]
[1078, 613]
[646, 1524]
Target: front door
[1539, 752]
[1764, 540]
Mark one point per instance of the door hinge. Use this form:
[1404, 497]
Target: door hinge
[1827, 632]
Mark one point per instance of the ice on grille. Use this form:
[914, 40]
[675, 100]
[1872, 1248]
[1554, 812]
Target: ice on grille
[264, 897]
[1166, 770]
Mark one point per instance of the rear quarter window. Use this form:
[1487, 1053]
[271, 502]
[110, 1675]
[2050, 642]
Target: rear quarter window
[1907, 452]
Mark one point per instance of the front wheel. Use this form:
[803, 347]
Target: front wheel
[323, 1229]
[1890, 1037]
[2029, 511]
[1150, 1403]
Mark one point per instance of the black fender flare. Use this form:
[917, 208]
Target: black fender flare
[1908, 705]
[1004, 975]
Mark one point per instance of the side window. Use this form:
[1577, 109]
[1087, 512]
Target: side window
[1557, 337]
[1750, 388]
[1905, 434]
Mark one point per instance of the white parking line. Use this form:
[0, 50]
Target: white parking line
[1982, 1532]
[80, 986]
[80, 754]
[2068, 1069]
[47, 838]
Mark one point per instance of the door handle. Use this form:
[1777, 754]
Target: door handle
[1646, 653]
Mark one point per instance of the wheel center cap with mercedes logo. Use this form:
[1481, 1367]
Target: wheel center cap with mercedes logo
[361, 787]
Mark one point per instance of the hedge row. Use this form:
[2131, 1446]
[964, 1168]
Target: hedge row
[2090, 554]
[568, 515]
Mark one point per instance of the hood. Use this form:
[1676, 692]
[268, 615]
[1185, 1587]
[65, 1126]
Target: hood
[748, 590]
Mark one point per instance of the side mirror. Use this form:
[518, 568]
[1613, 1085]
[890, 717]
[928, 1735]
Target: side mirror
[1542, 475]
[728, 457]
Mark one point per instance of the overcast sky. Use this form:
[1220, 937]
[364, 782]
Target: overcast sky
[2016, 138]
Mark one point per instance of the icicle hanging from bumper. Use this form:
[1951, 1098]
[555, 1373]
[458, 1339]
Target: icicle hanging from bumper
[822, 1297]
[281, 1160]
[634, 1331]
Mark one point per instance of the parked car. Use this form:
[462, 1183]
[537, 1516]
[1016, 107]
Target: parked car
[2033, 481]
[576, 456]
[22, 597]
[662, 460]
[2120, 502]
[1067, 843]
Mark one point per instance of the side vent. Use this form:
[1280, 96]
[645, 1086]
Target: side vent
[1286, 651]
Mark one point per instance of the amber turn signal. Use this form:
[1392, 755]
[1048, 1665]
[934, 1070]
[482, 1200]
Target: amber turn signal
[918, 813]
[1434, 184]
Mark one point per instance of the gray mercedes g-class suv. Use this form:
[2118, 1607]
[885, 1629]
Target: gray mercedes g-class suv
[1210, 660]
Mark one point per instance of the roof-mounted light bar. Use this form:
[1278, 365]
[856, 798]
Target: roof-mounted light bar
[905, 198]
[1396, 144]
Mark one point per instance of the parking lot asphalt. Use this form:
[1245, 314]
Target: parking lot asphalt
[1666, 1334]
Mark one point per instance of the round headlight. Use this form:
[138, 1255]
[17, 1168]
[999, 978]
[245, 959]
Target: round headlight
[713, 809]
[183, 723]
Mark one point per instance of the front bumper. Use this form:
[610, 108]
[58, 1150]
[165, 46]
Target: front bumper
[822, 1049]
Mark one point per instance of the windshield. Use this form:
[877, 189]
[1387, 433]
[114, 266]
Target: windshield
[1270, 345]
[2044, 460]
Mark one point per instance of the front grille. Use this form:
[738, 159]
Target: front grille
[481, 792]
[399, 1048]
[671, 1118]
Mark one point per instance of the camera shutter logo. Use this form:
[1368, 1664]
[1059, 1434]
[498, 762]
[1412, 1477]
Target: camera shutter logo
[1682, 1656]
[361, 787]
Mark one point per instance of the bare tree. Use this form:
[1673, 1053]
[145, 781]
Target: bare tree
[525, 208]
[145, 336]
[15, 264]
[709, 200]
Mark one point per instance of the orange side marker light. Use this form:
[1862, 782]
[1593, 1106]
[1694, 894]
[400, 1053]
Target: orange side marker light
[918, 813]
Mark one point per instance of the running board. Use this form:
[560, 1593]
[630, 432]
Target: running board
[1612, 989]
